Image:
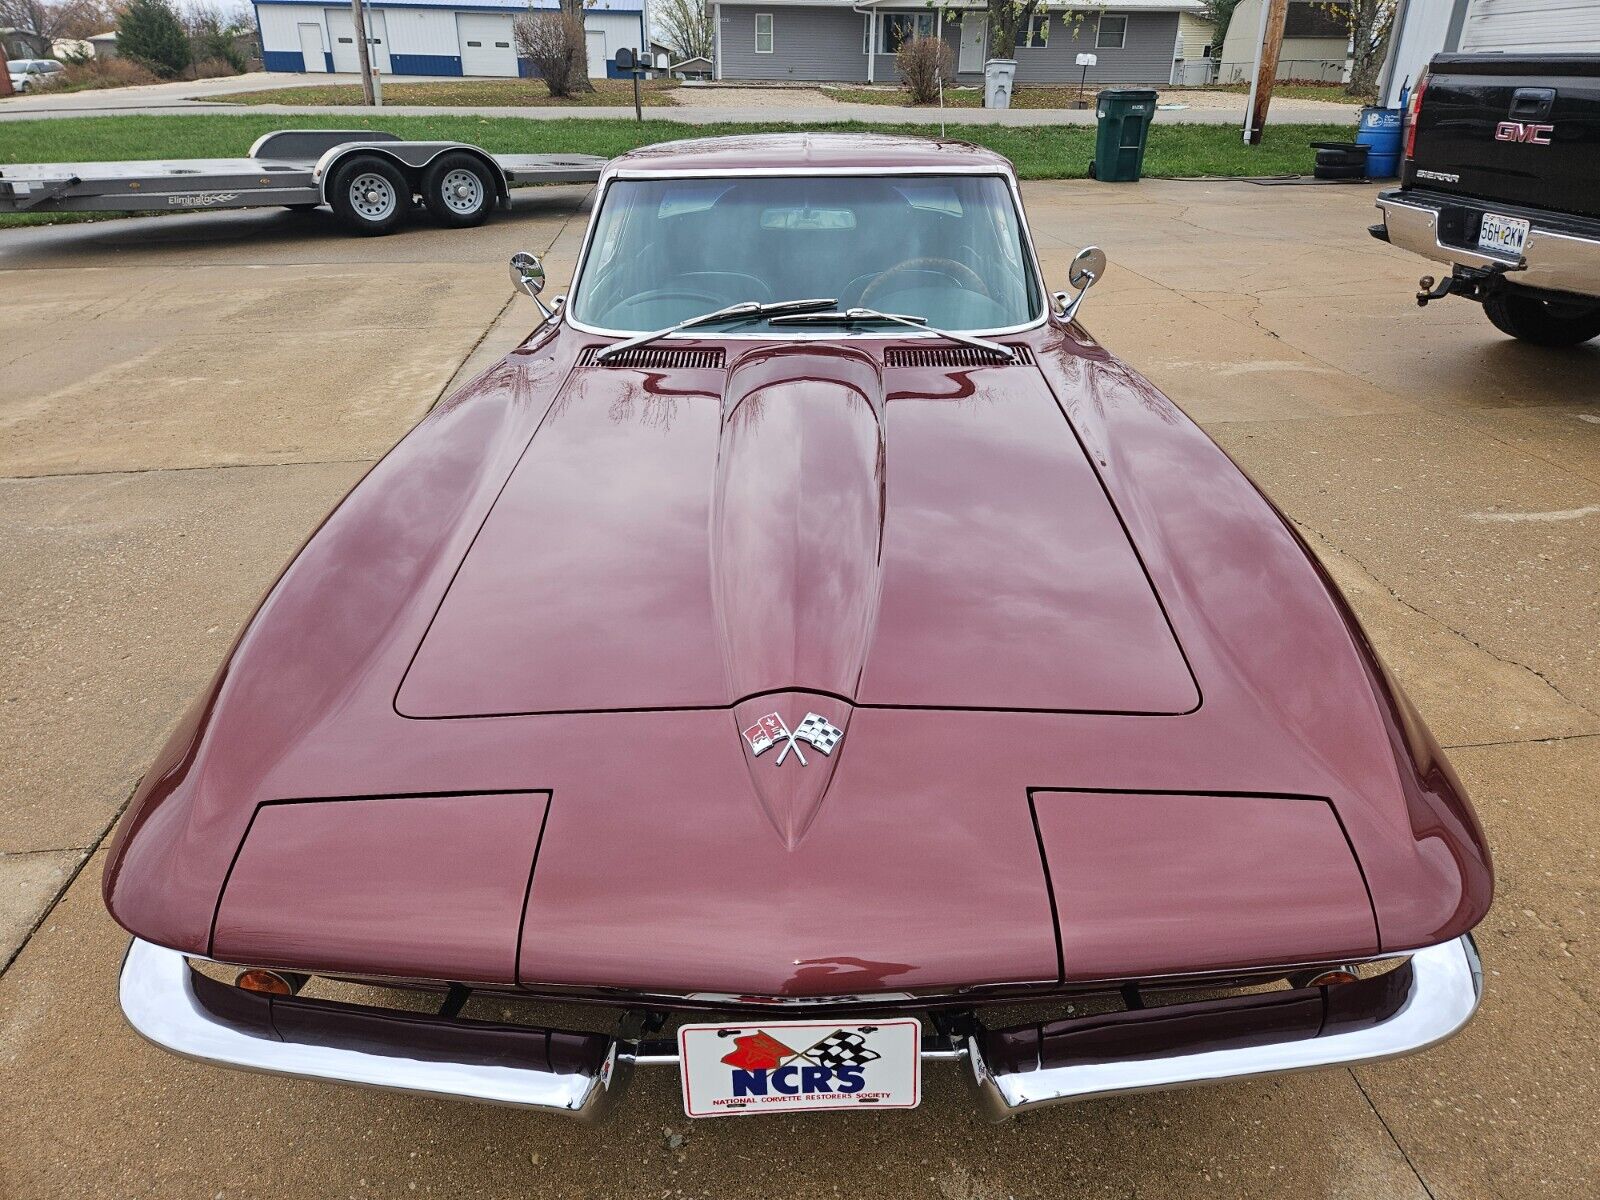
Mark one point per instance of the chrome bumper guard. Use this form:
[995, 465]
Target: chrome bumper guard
[1559, 262]
[1416, 1005]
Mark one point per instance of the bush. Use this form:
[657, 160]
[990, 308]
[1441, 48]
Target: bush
[554, 43]
[213, 68]
[923, 62]
[105, 73]
[150, 33]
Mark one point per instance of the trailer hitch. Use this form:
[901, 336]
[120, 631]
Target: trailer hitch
[1432, 291]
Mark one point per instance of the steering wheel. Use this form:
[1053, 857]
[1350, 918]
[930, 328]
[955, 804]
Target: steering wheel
[964, 275]
[676, 294]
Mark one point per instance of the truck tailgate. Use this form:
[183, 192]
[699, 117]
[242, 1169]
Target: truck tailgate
[1525, 130]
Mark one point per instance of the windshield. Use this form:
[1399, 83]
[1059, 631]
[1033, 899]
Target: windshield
[947, 249]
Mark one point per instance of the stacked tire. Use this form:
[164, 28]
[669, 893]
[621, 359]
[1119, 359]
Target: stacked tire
[1339, 160]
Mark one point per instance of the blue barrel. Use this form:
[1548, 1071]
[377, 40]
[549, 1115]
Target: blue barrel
[1379, 131]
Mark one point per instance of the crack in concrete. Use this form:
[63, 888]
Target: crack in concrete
[1530, 741]
[298, 462]
[72, 877]
[1373, 1108]
[1441, 622]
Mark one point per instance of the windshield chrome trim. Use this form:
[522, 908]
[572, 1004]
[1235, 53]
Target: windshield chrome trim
[611, 176]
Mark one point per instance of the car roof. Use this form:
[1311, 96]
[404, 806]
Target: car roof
[781, 153]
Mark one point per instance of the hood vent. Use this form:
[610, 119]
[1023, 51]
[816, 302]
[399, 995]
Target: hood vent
[654, 358]
[951, 356]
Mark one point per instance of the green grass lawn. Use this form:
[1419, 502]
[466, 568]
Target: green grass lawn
[497, 92]
[1048, 152]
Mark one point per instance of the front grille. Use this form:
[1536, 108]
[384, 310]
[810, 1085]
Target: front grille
[951, 356]
[654, 358]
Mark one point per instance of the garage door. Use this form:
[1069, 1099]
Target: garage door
[486, 44]
[342, 26]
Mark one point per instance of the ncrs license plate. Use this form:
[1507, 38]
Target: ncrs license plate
[800, 1066]
[1504, 235]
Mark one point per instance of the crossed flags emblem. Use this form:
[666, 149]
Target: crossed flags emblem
[769, 731]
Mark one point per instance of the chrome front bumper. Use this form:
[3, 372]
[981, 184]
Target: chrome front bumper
[1559, 262]
[1414, 1006]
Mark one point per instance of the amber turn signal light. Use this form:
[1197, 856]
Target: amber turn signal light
[1339, 976]
[268, 983]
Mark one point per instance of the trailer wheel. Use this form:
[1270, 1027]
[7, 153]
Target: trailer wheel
[458, 190]
[370, 195]
[1538, 321]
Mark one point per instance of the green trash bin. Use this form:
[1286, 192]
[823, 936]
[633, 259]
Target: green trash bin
[1124, 115]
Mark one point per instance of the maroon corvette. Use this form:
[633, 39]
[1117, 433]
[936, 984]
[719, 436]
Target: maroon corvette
[806, 649]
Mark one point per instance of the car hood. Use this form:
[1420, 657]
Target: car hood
[696, 539]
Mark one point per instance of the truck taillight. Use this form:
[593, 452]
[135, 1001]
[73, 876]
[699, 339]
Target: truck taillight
[1413, 111]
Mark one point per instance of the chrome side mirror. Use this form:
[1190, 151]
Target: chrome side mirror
[527, 275]
[1088, 267]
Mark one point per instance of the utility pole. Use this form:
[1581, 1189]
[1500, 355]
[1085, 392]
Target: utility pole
[358, 15]
[1270, 46]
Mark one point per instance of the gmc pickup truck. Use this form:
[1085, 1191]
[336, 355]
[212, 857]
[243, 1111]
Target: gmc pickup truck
[1501, 181]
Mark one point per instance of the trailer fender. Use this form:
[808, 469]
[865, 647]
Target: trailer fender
[411, 157]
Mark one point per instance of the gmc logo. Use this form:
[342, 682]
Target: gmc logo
[1519, 131]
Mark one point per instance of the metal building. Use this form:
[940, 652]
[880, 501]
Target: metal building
[431, 37]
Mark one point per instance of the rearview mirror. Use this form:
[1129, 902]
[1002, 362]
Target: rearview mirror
[1088, 267]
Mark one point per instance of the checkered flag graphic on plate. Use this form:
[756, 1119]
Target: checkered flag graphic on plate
[842, 1049]
[817, 730]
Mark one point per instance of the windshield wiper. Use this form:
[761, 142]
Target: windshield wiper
[856, 316]
[749, 310]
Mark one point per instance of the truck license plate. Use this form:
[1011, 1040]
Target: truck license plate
[740, 1068]
[1504, 235]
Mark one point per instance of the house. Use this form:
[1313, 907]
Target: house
[1423, 28]
[432, 37]
[853, 41]
[105, 44]
[1197, 40]
[21, 43]
[1316, 43]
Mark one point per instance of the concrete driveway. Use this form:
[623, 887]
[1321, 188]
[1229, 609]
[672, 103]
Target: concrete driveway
[183, 398]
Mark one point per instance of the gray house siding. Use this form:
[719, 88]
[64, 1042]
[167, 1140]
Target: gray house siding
[825, 45]
[1145, 57]
[807, 43]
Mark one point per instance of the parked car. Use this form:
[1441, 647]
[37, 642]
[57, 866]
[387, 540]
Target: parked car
[30, 74]
[807, 642]
[1501, 181]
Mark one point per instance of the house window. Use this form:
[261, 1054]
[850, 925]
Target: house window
[895, 29]
[1112, 33]
[1037, 35]
[763, 33]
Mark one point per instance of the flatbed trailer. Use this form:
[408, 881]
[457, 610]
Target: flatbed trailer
[371, 179]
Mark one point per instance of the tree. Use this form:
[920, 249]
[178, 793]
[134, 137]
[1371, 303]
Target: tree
[554, 43]
[1008, 18]
[687, 25]
[213, 32]
[149, 32]
[1369, 23]
[76, 19]
[1220, 14]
